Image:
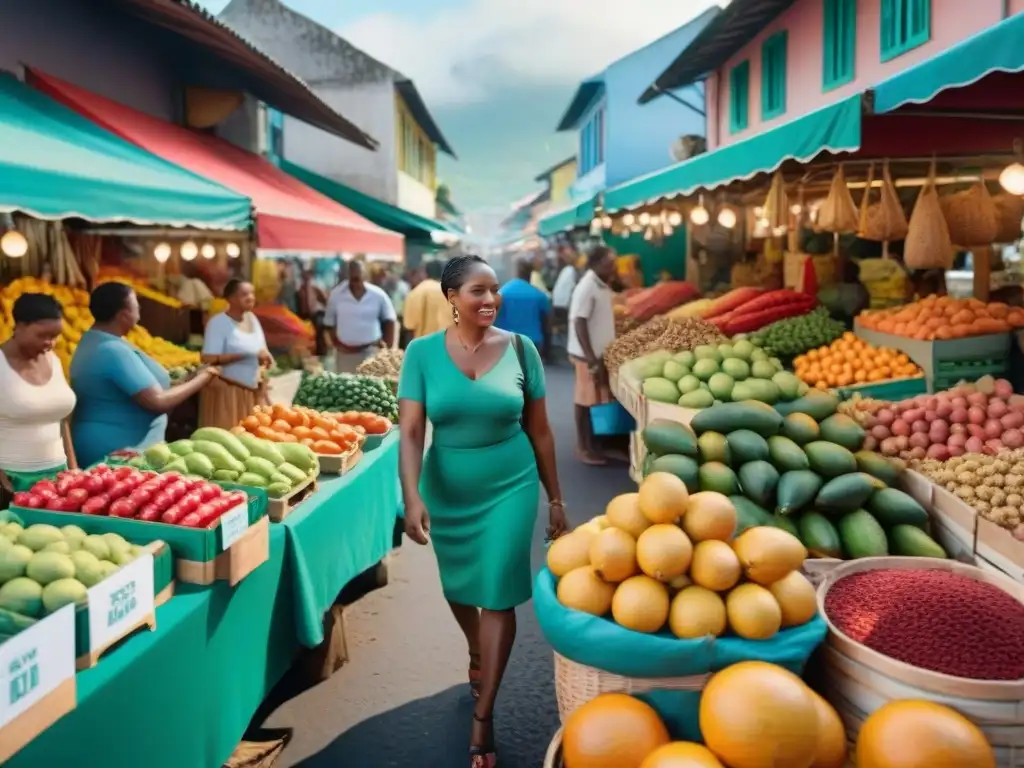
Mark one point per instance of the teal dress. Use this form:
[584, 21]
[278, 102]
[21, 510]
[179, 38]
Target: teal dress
[479, 481]
[106, 373]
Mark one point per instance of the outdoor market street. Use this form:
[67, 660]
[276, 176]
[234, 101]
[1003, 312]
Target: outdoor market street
[402, 700]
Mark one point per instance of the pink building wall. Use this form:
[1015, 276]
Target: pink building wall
[952, 21]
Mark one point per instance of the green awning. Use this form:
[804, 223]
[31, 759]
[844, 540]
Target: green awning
[56, 164]
[579, 215]
[835, 129]
[999, 48]
[413, 226]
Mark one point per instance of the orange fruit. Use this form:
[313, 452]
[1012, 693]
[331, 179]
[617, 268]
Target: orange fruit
[612, 731]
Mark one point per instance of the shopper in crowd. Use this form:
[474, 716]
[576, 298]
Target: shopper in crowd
[847, 297]
[475, 493]
[235, 343]
[426, 309]
[360, 319]
[591, 330]
[312, 300]
[525, 309]
[537, 273]
[35, 440]
[288, 293]
[561, 294]
[124, 396]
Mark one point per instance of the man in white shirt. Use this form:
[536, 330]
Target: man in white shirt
[591, 330]
[359, 318]
[561, 295]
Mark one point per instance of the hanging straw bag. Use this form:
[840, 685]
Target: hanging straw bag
[971, 216]
[928, 245]
[838, 214]
[1009, 211]
[884, 220]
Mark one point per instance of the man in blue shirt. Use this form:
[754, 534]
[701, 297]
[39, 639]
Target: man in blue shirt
[524, 308]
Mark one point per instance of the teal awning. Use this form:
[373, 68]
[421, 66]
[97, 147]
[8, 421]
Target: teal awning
[56, 164]
[999, 48]
[382, 214]
[579, 215]
[835, 129]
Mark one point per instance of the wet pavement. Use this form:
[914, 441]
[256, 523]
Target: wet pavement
[402, 700]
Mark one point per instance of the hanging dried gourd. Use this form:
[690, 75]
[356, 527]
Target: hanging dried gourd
[884, 220]
[927, 245]
[776, 206]
[838, 214]
[1010, 212]
[971, 216]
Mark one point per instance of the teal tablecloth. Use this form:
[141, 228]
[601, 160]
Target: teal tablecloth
[182, 696]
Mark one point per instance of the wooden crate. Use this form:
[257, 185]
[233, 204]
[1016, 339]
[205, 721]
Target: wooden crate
[338, 465]
[279, 509]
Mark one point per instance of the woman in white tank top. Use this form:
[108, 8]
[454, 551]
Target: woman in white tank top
[35, 399]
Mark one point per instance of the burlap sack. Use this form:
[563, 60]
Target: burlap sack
[1009, 211]
[838, 214]
[971, 216]
[927, 244]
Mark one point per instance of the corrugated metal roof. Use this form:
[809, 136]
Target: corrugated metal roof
[256, 72]
[737, 24]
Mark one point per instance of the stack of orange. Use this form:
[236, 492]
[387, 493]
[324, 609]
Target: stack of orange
[324, 433]
[944, 317]
[850, 360]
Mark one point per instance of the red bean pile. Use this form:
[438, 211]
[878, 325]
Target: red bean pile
[932, 619]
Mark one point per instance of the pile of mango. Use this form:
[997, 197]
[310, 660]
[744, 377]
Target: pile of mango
[78, 319]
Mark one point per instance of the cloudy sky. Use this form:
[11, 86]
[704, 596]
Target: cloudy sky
[498, 73]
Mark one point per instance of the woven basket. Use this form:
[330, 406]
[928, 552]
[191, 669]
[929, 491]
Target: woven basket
[576, 684]
[553, 758]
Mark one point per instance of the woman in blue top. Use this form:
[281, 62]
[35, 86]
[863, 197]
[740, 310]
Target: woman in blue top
[123, 395]
[234, 341]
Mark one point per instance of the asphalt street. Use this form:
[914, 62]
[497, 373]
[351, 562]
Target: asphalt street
[402, 700]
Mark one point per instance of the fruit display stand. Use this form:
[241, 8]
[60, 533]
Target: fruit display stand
[858, 680]
[279, 508]
[39, 680]
[946, 362]
[892, 390]
[219, 650]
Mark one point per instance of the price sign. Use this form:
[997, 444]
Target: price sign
[233, 525]
[120, 601]
[35, 661]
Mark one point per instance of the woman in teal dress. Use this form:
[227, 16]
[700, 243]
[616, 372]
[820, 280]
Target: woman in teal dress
[475, 493]
[124, 396]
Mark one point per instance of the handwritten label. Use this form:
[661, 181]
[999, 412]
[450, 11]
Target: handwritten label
[35, 661]
[120, 601]
[233, 525]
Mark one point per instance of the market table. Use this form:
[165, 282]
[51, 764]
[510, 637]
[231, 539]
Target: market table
[184, 694]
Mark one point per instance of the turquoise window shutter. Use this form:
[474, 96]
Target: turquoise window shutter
[839, 43]
[773, 75]
[905, 25]
[739, 97]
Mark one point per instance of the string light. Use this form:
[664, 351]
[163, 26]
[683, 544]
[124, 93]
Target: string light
[1012, 179]
[189, 250]
[699, 215]
[233, 251]
[727, 218]
[162, 252]
[208, 251]
[13, 244]
[644, 219]
[675, 218]
[628, 219]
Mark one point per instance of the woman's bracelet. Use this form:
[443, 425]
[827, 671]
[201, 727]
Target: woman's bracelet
[556, 503]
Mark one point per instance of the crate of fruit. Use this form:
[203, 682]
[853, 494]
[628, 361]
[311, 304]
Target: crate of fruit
[212, 533]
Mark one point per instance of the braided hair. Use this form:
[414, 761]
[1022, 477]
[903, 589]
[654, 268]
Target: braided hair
[457, 270]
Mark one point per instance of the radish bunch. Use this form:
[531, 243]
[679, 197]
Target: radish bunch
[983, 417]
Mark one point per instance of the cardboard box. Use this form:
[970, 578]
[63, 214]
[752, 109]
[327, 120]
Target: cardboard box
[997, 548]
[37, 679]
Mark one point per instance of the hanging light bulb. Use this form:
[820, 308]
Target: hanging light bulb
[675, 218]
[13, 244]
[208, 251]
[1012, 179]
[595, 226]
[644, 219]
[606, 222]
[796, 209]
[667, 230]
[232, 250]
[700, 215]
[628, 220]
[189, 250]
[727, 218]
[648, 234]
[162, 252]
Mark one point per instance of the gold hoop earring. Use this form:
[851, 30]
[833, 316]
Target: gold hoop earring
[455, 314]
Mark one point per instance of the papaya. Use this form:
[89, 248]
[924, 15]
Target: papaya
[891, 507]
[264, 449]
[842, 430]
[862, 536]
[746, 445]
[911, 541]
[716, 476]
[181, 447]
[199, 464]
[299, 456]
[253, 480]
[800, 428]
[683, 467]
[714, 446]
[218, 454]
[660, 390]
[786, 455]
[729, 417]
[758, 480]
[817, 404]
[293, 473]
[796, 490]
[749, 514]
[830, 460]
[664, 437]
[259, 466]
[819, 535]
[846, 493]
[877, 465]
[278, 490]
[222, 437]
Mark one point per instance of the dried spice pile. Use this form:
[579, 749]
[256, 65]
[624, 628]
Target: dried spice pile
[932, 619]
[661, 333]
